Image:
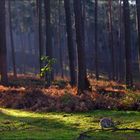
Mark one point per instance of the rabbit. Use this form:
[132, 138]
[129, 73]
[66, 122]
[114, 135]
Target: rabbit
[107, 123]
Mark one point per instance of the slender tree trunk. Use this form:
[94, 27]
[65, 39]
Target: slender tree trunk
[70, 42]
[83, 5]
[36, 38]
[39, 5]
[138, 18]
[111, 45]
[3, 50]
[59, 41]
[121, 65]
[96, 39]
[82, 76]
[48, 36]
[128, 57]
[12, 40]
[23, 53]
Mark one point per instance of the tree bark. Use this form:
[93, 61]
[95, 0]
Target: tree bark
[47, 5]
[96, 39]
[128, 57]
[3, 50]
[59, 41]
[70, 42]
[138, 19]
[39, 10]
[121, 57]
[111, 44]
[82, 76]
[12, 40]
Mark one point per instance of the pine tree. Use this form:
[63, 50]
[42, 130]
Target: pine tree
[3, 51]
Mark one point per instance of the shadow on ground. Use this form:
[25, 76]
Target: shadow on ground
[23, 125]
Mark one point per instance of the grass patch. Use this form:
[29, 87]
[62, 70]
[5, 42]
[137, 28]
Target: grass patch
[23, 125]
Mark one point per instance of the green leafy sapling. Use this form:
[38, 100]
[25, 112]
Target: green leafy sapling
[48, 65]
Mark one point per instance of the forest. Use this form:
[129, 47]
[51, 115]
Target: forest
[69, 69]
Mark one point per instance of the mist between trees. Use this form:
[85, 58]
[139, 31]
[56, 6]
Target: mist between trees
[97, 38]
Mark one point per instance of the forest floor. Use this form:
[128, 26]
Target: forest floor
[23, 125]
[30, 110]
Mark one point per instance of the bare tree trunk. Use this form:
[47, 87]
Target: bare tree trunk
[128, 57]
[23, 53]
[82, 76]
[96, 39]
[138, 18]
[111, 45]
[12, 41]
[121, 64]
[49, 76]
[83, 5]
[59, 40]
[3, 50]
[39, 11]
[70, 42]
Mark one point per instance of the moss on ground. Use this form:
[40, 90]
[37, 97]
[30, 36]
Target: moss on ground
[24, 125]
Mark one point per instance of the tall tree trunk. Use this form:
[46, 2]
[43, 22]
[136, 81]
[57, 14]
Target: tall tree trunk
[39, 7]
[23, 53]
[82, 76]
[59, 41]
[70, 42]
[96, 39]
[36, 37]
[83, 5]
[138, 18]
[12, 40]
[128, 57]
[121, 58]
[111, 44]
[48, 36]
[3, 50]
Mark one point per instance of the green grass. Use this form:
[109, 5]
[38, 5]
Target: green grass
[23, 125]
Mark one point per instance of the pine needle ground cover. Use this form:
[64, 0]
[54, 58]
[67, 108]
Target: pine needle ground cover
[23, 125]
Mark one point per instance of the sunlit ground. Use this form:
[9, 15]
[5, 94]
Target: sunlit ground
[23, 125]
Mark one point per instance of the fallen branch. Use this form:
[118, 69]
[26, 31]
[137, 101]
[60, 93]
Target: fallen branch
[116, 129]
[132, 129]
[84, 135]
